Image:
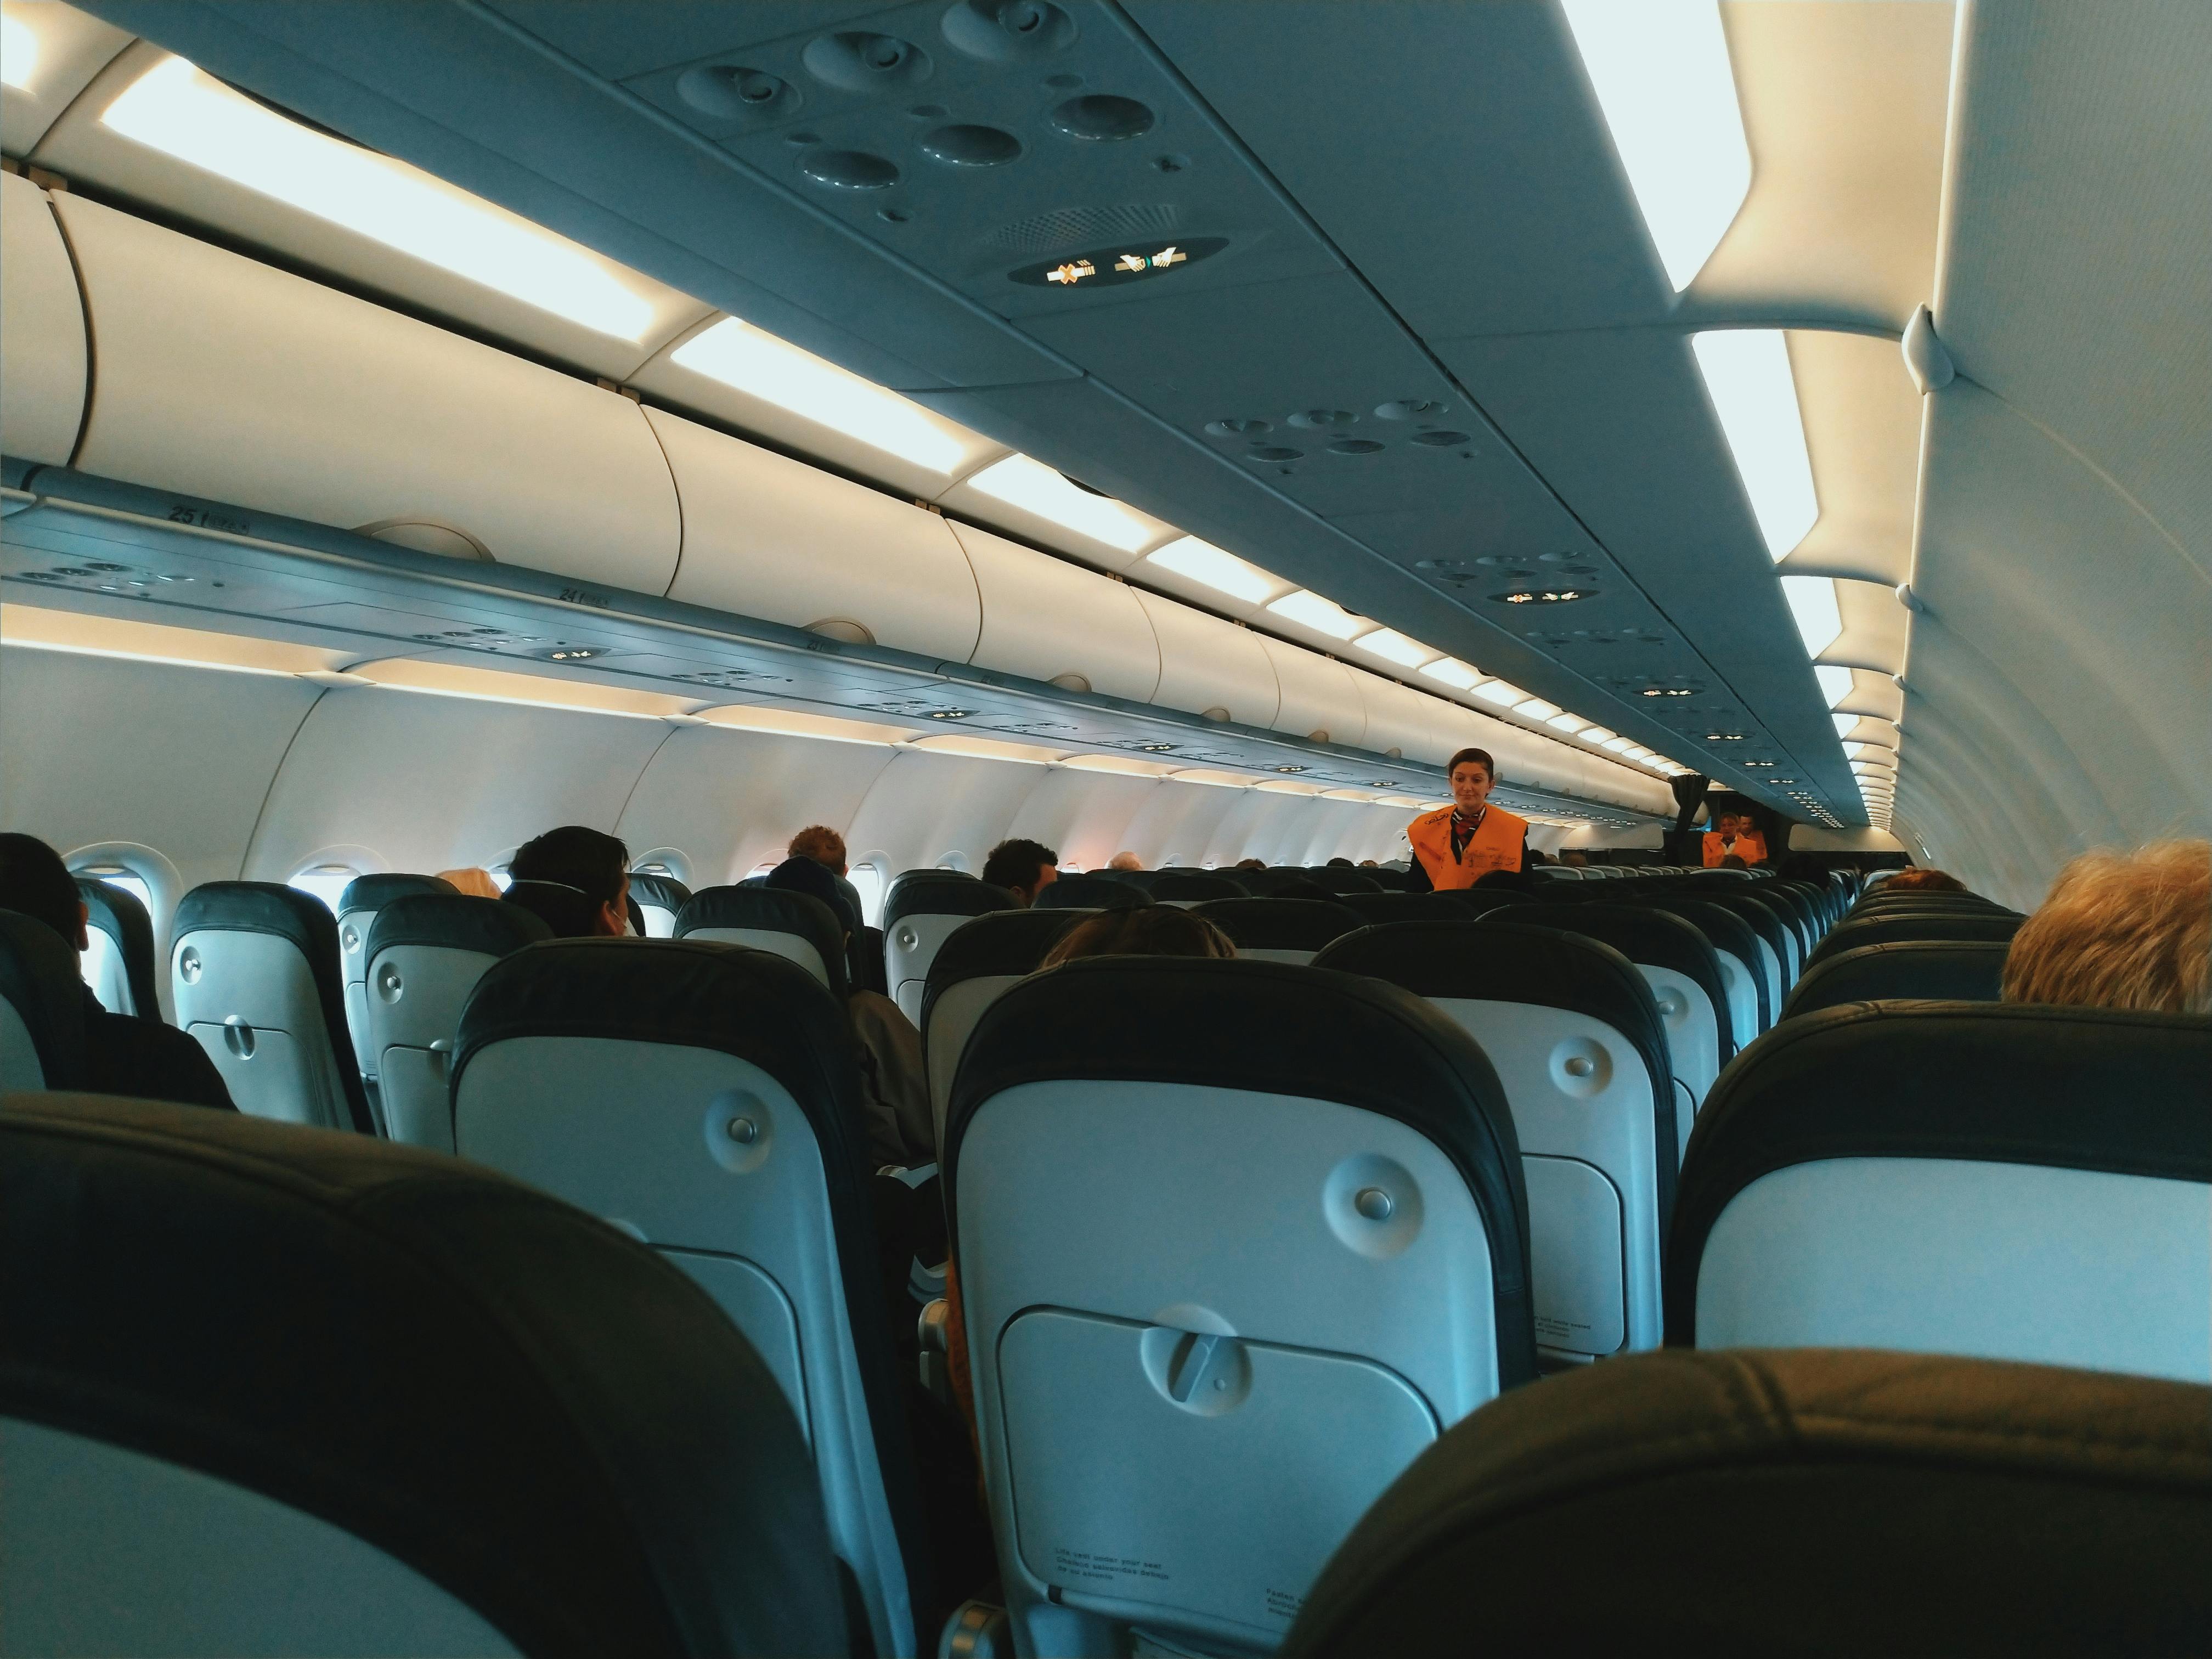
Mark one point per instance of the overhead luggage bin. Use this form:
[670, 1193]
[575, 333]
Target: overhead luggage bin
[1404, 722]
[1047, 619]
[230, 380]
[43, 359]
[1210, 666]
[1319, 700]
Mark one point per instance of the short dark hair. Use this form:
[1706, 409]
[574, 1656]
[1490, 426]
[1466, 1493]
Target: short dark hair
[593, 863]
[821, 843]
[1480, 756]
[34, 882]
[1143, 930]
[1016, 863]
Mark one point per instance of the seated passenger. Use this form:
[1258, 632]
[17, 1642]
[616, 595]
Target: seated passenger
[592, 866]
[1125, 860]
[1342, 864]
[1730, 861]
[2121, 930]
[125, 1053]
[474, 882]
[1250, 864]
[894, 1087]
[1918, 880]
[821, 843]
[1148, 930]
[1024, 868]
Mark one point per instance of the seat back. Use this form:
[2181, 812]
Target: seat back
[1953, 970]
[1092, 893]
[1575, 1036]
[2002, 1509]
[1279, 929]
[1482, 900]
[1887, 929]
[1741, 962]
[1274, 1248]
[978, 963]
[704, 1098]
[1684, 972]
[796, 927]
[364, 896]
[119, 955]
[1193, 887]
[42, 1033]
[2012, 1182]
[426, 953]
[254, 976]
[270, 1392]
[921, 912]
[1374, 909]
[1770, 939]
[658, 899]
[1340, 880]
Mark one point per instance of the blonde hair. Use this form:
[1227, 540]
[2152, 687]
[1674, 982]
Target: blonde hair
[476, 884]
[2122, 930]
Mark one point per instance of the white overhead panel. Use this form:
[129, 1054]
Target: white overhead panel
[1319, 700]
[49, 54]
[1746, 374]
[1031, 499]
[1199, 571]
[1048, 619]
[1211, 668]
[42, 338]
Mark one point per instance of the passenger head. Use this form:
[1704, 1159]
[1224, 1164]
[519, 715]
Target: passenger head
[35, 883]
[821, 843]
[1251, 863]
[1575, 859]
[1304, 887]
[1146, 930]
[1515, 881]
[1471, 773]
[474, 882]
[1024, 868]
[2121, 930]
[1923, 881]
[595, 864]
[1125, 861]
[1342, 864]
[1732, 862]
[1369, 864]
[802, 874]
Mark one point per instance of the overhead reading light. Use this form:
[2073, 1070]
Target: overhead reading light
[1208, 566]
[1746, 371]
[1036, 488]
[1454, 673]
[1309, 610]
[1835, 683]
[19, 53]
[738, 354]
[182, 112]
[1759, 764]
[1661, 71]
[1813, 604]
[1500, 692]
[1394, 647]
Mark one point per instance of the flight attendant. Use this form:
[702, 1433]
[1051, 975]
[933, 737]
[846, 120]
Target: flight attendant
[1734, 833]
[1456, 846]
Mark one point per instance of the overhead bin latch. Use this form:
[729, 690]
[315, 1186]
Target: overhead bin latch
[1925, 360]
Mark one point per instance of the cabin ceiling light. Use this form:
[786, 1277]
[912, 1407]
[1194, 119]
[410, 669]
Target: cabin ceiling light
[1394, 647]
[1208, 566]
[1835, 686]
[176, 109]
[1843, 722]
[1500, 692]
[1036, 488]
[1309, 610]
[1813, 604]
[1535, 708]
[1661, 71]
[1569, 723]
[1747, 372]
[1619, 746]
[1454, 673]
[1596, 734]
[754, 362]
[19, 53]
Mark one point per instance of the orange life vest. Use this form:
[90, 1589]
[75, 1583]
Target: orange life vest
[1751, 849]
[1495, 844]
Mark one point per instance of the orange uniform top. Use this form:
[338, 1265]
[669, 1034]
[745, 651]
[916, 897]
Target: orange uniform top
[1495, 844]
[1751, 849]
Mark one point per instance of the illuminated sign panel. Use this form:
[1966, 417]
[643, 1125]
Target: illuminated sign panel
[1112, 266]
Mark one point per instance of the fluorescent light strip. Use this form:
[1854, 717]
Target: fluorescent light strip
[1835, 683]
[19, 53]
[1568, 723]
[518, 702]
[183, 113]
[738, 354]
[1746, 371]
[141, 656]
[1394, 647]
[1454, 674]
[1535, 708]
[1036, 488]
[1661, 71]
[1500, 692]
[1309, 610]
[1812, 606]
[1210, 567]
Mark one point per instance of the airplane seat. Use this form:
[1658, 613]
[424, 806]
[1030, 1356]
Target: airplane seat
[1193, 887]
[2002, 1510]
[1741, 960]
[1861, 932]
[570, 911]
[1995, 1179]
[274, 1392]
[42, 1032]
[1771, 958]
[978, 963]
[921, 912]
[1558, 873]
[119, 958]
[1391, 881]
[1375, 909]
[255, 977]
[794, 926]
[1949, 971]
[1279, 930]
[364, 896]
[1684, 972]
[1577, 1038]
[1482, 900]
[1885, 904]
[1798, 910]
[1221, 1287]
[658, 899]
[1090, 893]
[703, 1098]
[426, 953]
[1338, 880]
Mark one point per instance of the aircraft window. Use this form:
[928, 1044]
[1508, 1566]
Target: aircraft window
[761, 869]
[954, 861]
[130, 881]
[868, 880]
[500, 876]
[325, 881]
[1071, 869]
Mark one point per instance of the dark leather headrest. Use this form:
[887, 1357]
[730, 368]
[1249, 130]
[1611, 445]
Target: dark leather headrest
[1649, 937]
[1854, 934]
[1193, 885]
[1953, 970]
[374, 892]
[40, 978]
[456, 922]
[567, 912]
[942, 893]
[117, 913]
[1338, 879]
[2002, 1509]
[1090, 893]
[774, 911]
[1268, 1028]
[1761, 915]
[1279, 924]
[469, 1375]
[2007, 1083]
[662, 892]
[1008, 943]
[1407, 907]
